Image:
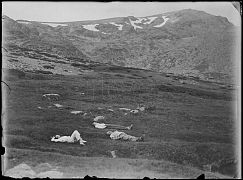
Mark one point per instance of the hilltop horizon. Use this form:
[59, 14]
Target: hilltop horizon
[111, 18]
[84, 11]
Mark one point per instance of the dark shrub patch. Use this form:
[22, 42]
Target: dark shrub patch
[43, 72]
[13, 60]
[75, 64]
[48, 67]
[15, 72]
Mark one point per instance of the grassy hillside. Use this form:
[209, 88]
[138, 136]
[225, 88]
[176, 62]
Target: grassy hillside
[185, 123]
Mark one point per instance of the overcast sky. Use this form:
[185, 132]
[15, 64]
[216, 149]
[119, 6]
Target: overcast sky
[78, 11]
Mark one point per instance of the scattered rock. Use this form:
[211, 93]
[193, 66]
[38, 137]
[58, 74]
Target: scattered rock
[99, 118]
[113, 153]
[141, 109]
[134, 111]
[58, 105]
[52, 96]
[181, 81]
[124, 109]
[76, 112]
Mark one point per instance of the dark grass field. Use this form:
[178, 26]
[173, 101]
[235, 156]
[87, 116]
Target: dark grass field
[191, 125]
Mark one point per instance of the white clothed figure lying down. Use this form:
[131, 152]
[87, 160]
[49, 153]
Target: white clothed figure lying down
[75, 137]
[113, 126]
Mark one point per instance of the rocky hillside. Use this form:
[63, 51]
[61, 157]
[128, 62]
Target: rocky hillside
[186, 42]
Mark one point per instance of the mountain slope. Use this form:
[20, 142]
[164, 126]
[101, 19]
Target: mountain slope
[186, 42]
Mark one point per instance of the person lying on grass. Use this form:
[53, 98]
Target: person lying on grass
[121, 135]
[112, 126]
[75, 137]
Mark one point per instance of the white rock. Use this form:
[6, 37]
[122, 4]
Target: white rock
[124, 109]
[99, 118]
[76, 112]
[141, 108]
[134, 111]
[58, 105]
[113, 154]
[181, 81]
[50, 95]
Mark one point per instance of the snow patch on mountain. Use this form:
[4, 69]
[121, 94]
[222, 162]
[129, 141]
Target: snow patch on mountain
[54, 24]
[151, 19]
[90, 27]
[162, 24]
[23, 22]
[118, 25]
[134, 25]
[141, 19]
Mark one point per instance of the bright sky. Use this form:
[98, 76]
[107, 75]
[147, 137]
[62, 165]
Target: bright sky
[79, 11]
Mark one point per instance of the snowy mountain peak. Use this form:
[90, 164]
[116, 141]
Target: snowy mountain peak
[165, 42]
